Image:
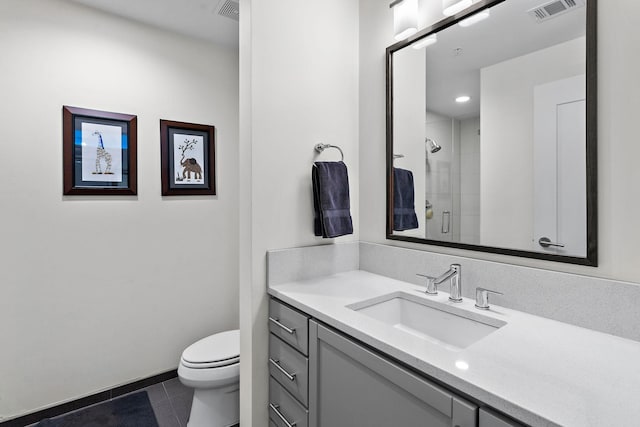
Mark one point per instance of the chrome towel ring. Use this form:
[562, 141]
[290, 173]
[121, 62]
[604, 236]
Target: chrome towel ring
[321, 147]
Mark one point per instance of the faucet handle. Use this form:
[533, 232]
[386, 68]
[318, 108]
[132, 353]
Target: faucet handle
[432, 288]
[482, 297]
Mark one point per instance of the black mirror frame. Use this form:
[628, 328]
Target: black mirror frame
[591, 258]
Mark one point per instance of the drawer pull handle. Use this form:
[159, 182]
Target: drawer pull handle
[279, 414]
[289, 330]
[276, 363]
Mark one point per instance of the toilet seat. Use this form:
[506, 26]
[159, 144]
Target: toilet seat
[209, 378]
[209, 365]
[214, 351]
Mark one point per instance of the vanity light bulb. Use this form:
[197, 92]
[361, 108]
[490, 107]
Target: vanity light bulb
[427, 41]
[405, 18]
[473, 19]
[463, 99]
[406, 33]
[451, 7]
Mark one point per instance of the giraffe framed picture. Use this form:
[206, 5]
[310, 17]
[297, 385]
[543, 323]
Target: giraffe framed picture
[100, 150]
[188, 159]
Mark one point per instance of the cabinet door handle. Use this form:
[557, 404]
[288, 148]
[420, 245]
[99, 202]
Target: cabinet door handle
[276, 363]
[288, 330]
[274, 408]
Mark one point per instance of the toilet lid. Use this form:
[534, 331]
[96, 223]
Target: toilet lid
[220, 349]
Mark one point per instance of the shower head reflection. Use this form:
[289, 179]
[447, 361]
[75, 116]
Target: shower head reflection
[432, 146]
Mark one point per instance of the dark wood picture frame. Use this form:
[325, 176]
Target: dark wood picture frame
[99, 152]
[192, 175]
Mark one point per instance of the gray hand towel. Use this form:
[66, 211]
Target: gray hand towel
[404, 213]
[331, 199]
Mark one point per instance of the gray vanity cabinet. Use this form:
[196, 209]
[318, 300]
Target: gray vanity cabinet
[322, 378]
[353, 386]
[488, 418]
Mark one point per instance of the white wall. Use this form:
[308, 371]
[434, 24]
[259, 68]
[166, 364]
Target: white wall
[376, 33]
[507, 121]
[100, 291]
[618, 173]
[299, 86]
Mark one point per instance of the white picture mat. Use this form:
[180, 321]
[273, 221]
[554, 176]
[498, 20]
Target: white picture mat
[196, 151]
[112, 141]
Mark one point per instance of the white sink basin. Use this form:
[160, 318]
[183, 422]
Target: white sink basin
[433, 321]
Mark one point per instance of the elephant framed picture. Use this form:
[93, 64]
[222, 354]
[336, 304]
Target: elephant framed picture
[188, 159]
[99, 152]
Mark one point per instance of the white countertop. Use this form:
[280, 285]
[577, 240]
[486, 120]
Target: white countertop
[539, 371]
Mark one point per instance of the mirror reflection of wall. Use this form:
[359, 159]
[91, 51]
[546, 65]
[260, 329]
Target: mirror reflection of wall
[507, 106]
[409, 89]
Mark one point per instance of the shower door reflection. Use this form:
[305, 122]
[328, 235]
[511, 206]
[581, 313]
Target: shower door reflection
[452, 179]
[441, 220]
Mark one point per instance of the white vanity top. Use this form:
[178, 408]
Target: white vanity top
[539, 371]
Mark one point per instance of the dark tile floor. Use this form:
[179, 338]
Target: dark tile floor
[171, 402]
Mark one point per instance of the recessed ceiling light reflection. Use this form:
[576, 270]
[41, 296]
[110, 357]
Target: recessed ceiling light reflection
[462, 365]
[462, 99]
[427, 41]
[473, 19]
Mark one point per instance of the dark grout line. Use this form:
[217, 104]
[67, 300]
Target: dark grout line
[164, 387]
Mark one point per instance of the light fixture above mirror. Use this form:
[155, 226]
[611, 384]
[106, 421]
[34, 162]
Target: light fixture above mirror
[427, 41]
[474, 19]
[451, 7]
[405, 18]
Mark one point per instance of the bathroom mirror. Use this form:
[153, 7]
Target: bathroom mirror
[491, 129]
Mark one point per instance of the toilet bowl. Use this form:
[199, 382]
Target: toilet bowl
[211, 366]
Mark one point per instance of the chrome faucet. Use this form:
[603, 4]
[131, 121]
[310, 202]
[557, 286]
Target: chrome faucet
[453, 274]
[482, 297]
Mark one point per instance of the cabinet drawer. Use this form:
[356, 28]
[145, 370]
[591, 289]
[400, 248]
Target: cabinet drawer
[290, 368]
[289, 325]
[284, 410]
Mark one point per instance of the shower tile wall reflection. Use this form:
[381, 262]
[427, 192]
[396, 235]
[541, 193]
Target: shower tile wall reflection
[470, 180]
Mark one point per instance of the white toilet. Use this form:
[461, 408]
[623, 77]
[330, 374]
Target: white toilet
[212, 367]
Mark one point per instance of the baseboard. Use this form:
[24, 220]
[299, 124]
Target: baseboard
[74, 405]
